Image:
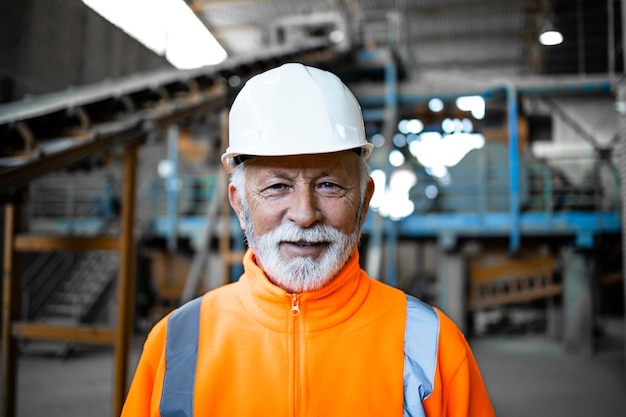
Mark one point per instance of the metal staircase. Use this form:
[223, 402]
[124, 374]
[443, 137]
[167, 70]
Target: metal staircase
[70, 287]
[81, 296]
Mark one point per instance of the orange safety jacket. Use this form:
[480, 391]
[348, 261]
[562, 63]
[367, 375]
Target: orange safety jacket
[356, 347]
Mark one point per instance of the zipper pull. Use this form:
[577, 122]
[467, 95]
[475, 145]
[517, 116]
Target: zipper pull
[295, 305]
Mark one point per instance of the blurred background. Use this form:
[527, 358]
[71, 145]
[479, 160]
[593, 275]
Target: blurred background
[499, 137]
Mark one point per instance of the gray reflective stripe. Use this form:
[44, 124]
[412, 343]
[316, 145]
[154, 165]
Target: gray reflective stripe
[421, 337]
[181, 355]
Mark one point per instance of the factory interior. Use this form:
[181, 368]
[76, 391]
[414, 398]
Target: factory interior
[499, 163]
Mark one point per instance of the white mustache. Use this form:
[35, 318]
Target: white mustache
[290, 232]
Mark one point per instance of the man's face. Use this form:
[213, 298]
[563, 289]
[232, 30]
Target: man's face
[302, 215]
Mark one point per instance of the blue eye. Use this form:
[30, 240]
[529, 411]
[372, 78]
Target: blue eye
[276, 189]
[330, 189]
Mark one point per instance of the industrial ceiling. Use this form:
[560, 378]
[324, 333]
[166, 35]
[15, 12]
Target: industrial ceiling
[438, 47]
[480, 39]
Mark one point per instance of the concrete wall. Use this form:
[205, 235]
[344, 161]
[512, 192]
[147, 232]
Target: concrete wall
[49, 45]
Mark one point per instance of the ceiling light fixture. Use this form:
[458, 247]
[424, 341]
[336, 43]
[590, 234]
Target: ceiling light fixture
[549, 36]
[167, 27]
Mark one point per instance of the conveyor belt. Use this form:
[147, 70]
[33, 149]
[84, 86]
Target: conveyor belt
[54, 131]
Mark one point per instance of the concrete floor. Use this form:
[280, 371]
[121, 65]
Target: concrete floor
[533, 377]
[525, 375]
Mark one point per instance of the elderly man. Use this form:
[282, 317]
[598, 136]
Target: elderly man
[304, 331]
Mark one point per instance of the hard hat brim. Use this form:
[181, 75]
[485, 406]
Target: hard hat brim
[231, 159]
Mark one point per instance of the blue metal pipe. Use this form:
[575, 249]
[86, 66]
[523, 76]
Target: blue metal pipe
[407, 98]
[514, 197]
[391, 106]
[383, 57]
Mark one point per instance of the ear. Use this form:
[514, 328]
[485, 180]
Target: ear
[235, 202]
[369, 192]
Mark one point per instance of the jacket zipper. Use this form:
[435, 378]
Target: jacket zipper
[295, 305]
[295, 312]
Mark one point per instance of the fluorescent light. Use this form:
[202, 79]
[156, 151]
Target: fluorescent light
[336, 36]
[167, 27]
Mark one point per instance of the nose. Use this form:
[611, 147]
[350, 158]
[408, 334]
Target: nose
[304, 210]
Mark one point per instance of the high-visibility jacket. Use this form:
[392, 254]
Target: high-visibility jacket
[356, 347]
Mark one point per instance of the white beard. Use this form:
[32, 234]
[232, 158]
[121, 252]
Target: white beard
[301, 274]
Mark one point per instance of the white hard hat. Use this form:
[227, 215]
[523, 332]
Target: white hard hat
[291, 110]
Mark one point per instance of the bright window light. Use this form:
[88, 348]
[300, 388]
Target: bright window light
[404, 210]
[468, 126]
[403, 126]
[378, 140]
[392, 200]
[435, 105]
[412, 137]
[396, 158]
[398, 205]
[434, 150]
[473, 104]
[379, 177]
[399, 140]
[431, 191]
[415, 126]
[447, 125]
[410, 126]
[438, 171]
[167, 27]
[402, 180]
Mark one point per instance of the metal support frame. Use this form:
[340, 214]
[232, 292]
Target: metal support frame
[10, 311]
[451, 277]
[119, 337]
[621, 152]
[578, 308]
[514, 223]
[126, 283]
[380, 225]
[514, 199]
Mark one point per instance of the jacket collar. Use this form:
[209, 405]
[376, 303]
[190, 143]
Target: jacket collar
[319, 309]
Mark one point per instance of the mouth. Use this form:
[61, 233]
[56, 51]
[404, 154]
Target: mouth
[304, 247]
[304, 244]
